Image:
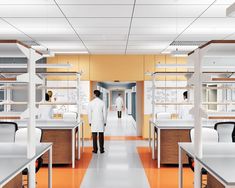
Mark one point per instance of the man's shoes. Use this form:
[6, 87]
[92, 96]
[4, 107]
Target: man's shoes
[102, 151]
[94, 151]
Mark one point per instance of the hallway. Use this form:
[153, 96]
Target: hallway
[126, 126]
[119, 167]
[126, 163]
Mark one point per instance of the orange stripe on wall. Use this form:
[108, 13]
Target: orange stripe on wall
[65, 176]
[165, 177]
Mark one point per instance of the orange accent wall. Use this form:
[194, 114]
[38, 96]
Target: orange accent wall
[117, 67]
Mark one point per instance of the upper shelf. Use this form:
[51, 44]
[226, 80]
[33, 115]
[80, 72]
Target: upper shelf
[12, 48]
[22, 78]
[218, 48]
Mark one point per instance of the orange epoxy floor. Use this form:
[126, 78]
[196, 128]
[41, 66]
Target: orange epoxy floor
[165, 177]
[65, 176]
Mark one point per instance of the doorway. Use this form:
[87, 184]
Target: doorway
[126, 125]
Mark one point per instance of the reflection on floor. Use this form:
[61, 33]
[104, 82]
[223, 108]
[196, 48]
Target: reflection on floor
[120, 166]
[65, 176]
[127, 163]
[166, 176]
[125, 126]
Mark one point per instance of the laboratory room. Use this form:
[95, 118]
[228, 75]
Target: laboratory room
[117, 94]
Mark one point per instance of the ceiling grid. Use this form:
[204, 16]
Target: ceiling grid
[115, 26]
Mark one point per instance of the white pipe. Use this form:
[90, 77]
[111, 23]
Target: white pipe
[78, 98]
[31, 146]
[153, 114]
[197, 115]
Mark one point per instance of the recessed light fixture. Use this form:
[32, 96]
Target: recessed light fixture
[230, 11]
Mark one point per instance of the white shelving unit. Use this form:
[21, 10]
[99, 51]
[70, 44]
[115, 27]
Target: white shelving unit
[42, 87]
[155, 87]
[18, 49]
[204, 55]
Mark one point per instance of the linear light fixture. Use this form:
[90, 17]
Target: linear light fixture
[230, 11]
[38, 66]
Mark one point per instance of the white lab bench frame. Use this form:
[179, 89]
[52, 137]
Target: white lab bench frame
[25, 161]
[18, 49]
[63, 125]
[211, 151]
[168, 125]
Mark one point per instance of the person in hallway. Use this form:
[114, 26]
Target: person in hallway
[97, 120]
[119, 105]
[184, 109]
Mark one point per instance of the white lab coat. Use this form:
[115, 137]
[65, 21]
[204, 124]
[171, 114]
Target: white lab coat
[97, 115]
[184, 111]
[45, 112]
[119, 103]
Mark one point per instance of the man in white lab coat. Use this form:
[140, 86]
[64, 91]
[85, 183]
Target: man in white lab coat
[119, 105]
[97, 120]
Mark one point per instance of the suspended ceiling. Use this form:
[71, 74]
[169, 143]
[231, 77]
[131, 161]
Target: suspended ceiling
[115, 26]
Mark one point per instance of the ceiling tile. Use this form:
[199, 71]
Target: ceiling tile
[42, 25]
[95, 2]
[100, 22]
[63, 45]
[169, 10]
[220, 26]
[225, 2]
[144, 51]
[149, 43]
[199, 2]
[103, 31]
[105, 43]
[103, 37]
[216, 11]
[159, 37]
[27, 2]
[157, 46]
[108, 51]
[30, 11]
[156, 31]
[97, 10]
[161, 22]
[54, 37]
[5, 28]
[201, 37]
[90, 47]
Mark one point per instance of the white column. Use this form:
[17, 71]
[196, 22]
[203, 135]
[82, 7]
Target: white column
[31, 147]
[78, 98]
[153, 114]
[153, 98]
[8, 94]
[197, 115]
